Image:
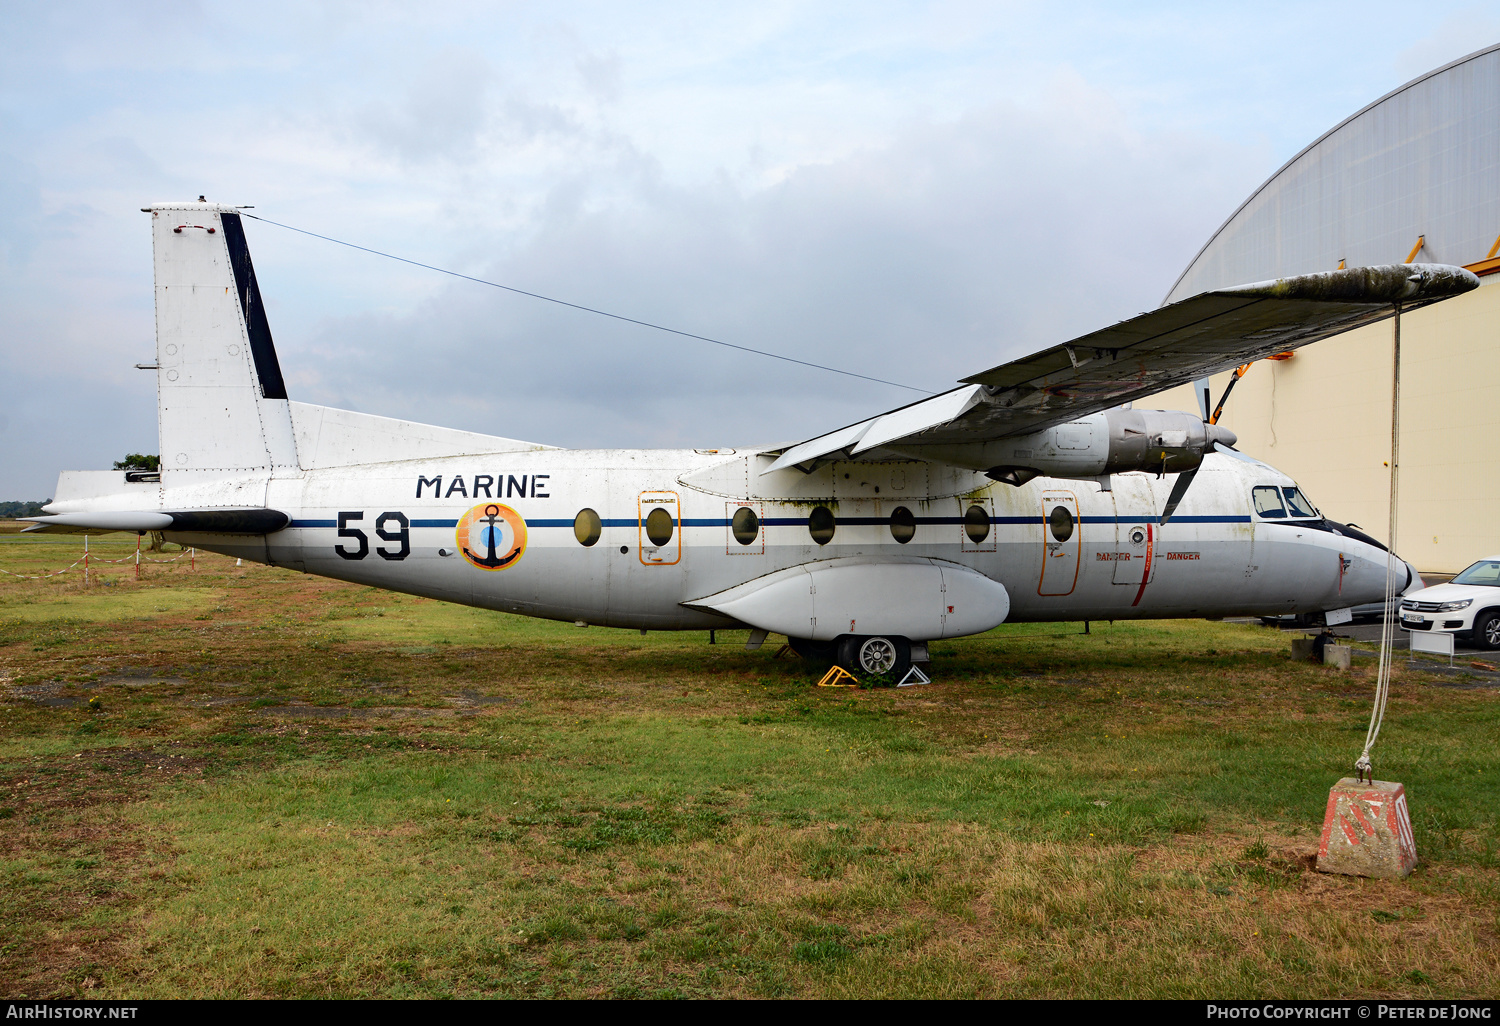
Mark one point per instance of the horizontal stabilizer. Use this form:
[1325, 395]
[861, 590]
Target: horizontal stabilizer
[198, 521]
[328, 437]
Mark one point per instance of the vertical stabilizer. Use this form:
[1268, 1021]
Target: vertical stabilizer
[221, 402]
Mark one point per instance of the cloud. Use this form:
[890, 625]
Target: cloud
[439, 114]
[957, 246]
[911, 192]
[602, 74]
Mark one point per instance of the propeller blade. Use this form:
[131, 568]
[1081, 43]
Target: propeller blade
[1179, 489]
[1228, 450]
[1205, 398]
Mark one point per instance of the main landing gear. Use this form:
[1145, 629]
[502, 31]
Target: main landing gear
[862, 655]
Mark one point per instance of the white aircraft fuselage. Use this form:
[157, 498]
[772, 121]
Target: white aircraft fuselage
[1216, 557]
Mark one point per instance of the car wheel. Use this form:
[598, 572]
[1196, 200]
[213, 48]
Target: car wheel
[1487, 630]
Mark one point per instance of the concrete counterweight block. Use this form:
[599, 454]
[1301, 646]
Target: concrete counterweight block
[1338, 656]
[1367, 831]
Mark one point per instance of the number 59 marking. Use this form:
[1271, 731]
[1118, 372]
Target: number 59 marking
[402, 534]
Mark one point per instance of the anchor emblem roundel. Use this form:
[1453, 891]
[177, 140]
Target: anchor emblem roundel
[492, 536]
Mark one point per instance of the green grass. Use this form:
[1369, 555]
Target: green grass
[143, 604]
[300, 788]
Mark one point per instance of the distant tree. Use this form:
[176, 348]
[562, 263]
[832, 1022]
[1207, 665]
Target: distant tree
[138, 461]
[11, 510]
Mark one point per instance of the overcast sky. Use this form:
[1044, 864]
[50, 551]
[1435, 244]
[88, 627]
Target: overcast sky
[910, 191]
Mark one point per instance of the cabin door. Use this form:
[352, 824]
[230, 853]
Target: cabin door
[659, 516]
[1061, 530]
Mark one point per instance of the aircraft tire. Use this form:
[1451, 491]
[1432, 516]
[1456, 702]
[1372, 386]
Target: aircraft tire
[875, 656]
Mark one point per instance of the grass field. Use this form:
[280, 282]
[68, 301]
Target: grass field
[294, 787]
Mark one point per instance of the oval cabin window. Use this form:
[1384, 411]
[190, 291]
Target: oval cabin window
[659, 526]
[1061, 523]
[903, 525]
[745, 525]
[977, 523]
[586, 527]
[820, 524]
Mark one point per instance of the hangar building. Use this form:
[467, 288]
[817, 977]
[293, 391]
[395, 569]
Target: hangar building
[1415, 176]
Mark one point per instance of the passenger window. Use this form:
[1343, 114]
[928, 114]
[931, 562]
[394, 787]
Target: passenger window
[1268, 502]
[820, 525]
[903, 525]
[659, 526]
[977, 523]
[587, 527]
[1060, 521]
[745, 525]
[1298, 504]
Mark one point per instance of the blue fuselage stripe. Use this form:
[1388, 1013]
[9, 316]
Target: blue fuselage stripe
[841, 521]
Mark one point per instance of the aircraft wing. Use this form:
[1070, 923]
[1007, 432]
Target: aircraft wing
[1136, 358]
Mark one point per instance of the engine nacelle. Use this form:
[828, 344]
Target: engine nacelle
[1113, 442]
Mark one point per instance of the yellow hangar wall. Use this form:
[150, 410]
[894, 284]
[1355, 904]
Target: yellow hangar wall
[1324, 417]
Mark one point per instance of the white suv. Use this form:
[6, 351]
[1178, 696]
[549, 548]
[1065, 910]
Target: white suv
[1468, 604]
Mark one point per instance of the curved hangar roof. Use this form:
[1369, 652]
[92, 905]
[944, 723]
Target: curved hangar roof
[1423, 160]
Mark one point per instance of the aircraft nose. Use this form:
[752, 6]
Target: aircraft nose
[1413, 578]
[1217, 434]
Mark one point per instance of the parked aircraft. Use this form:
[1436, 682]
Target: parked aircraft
[1029, 492]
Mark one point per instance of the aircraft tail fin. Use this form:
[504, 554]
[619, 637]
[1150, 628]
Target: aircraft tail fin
[222, 403]
[221, 399]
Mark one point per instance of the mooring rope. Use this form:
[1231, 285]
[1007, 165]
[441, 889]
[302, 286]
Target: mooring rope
[1362, 766]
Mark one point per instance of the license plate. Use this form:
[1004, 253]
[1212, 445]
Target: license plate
[1413, 617]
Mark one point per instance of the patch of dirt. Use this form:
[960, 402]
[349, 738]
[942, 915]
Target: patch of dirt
[50, 955]
[97, 776]
[48, 693]
[302, 710]
[469, 699]
[132, 677]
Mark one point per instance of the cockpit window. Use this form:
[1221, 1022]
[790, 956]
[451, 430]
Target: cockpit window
[1297, 503]
[1485, 574]
[1268, 502]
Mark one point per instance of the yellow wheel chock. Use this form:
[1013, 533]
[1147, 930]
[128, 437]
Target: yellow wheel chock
[832, 678]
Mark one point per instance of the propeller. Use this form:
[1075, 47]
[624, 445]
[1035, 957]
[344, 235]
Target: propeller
[1222, 439]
